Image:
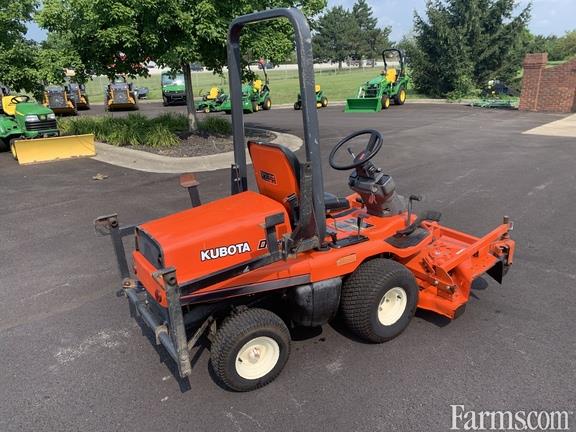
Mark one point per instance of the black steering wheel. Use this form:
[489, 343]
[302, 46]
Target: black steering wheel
[19, 99]
[373, 147]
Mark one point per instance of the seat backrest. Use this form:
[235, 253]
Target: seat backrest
[213, 95]
[391, 75]
[8, 107]
[257, 85]
[317, 88]
[277, 172]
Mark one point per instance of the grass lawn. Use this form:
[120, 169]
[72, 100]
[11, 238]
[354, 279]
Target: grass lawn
[337, 85]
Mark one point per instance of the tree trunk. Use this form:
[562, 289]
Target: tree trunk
[339, 64]
[190, 108]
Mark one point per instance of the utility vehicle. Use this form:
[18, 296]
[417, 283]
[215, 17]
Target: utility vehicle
[173, 88]
[120, 95]
[77, 93]
[242, 269]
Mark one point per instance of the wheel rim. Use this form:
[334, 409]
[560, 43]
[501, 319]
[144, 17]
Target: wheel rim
[402, 95]
[392, 306]
[257, 357]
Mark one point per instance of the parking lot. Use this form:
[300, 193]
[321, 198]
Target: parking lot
[74, 360]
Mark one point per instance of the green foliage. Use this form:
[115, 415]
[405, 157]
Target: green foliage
[133, 130]
[56, 54]
[336, 33]
[215, 125]
[17, 62]
[464, 43]
[115, 37]
[558, 48]
[343, 34]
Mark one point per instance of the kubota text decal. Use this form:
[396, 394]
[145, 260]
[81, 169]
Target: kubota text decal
[224, 251]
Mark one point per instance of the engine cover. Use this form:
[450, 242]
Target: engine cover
[208, 238]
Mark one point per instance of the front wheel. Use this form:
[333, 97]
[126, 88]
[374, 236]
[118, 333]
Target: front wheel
[296, 106]
[385, 102]
[379, 300]
[250, 349]
[255, 106]
[324, 101]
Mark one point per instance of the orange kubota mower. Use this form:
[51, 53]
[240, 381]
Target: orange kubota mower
[245, 267]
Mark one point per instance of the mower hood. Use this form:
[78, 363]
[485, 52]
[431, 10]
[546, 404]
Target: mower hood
[30, 108]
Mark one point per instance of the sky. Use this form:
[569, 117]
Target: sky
[548, 16]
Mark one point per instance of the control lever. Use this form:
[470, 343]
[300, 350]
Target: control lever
[359, 221]
[410, 199]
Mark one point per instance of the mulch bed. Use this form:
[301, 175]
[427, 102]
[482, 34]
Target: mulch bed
[199, 144]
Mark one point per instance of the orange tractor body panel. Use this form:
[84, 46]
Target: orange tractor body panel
[201, 240]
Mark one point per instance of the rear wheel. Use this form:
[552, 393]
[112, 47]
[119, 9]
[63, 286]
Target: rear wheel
[324, 101]
[379, 300]
[296, 106]
[385, 102]
[255, 106]
[206, 109]
[250, 349]
[267, 104]
[400, 97]
[4, 145]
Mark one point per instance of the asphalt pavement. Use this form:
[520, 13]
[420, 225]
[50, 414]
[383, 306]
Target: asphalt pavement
[73, 359]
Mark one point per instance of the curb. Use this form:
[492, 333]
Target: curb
[149, 162]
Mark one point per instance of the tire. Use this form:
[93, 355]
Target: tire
[267, 104]
[255, 106]
[379, 300]
[4, 145]
[324, 101]
[165, 101]
[296, 106]
[253, 332]
[385, 102]
[400, 96]
[206, 110]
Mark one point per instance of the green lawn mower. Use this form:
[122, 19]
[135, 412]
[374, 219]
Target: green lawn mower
[321, 100]
[212, 101]
[379, 92]
[255, 95]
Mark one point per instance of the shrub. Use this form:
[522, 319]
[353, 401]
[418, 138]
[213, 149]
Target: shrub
[135, 129]
[215, 125]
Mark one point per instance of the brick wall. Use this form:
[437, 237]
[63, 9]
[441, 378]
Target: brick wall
[548, 88]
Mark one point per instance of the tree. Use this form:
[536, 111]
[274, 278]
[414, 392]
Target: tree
[335, 35]
[115, 37]
[465, 43]
[55, 56]
[17, 62]
[369, 40]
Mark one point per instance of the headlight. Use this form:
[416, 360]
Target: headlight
[31, 118]
[51, 116]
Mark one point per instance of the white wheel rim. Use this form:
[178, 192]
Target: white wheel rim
[257, 357]
[392, 306]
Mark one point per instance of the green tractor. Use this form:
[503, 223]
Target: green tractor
[321, 100]
[211, 101]
[255, 94]
[173, 88]
[20, 118]
[391, 85]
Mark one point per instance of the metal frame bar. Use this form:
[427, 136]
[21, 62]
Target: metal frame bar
[400, 57]
[309, 112]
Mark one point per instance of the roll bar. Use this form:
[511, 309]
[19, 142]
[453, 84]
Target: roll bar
[400, 57]
[309, 113]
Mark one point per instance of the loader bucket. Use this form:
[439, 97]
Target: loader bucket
[363, 105]
[30, 151]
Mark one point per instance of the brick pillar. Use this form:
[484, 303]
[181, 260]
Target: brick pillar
[534, 65]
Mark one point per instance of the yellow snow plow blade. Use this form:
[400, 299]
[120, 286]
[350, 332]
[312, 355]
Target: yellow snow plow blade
[49, 149]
